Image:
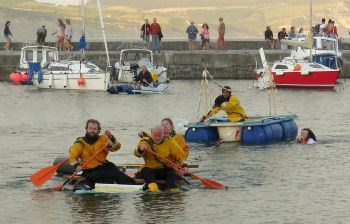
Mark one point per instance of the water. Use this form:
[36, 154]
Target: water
[280, 183]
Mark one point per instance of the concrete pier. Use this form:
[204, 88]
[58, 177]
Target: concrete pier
[237, 63]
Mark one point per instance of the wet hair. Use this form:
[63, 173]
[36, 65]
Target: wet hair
[170, 122]
[310, 134]
[94, 122]
[7, 23]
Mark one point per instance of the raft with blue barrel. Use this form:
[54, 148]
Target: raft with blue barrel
[255, 131]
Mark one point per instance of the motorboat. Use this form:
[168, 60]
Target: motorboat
[131, 61]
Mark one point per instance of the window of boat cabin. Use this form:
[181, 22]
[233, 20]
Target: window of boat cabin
[281, 67]
[29, 55]
[50, 56]
[39, 56]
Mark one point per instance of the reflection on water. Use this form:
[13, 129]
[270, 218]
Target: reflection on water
[279, 183]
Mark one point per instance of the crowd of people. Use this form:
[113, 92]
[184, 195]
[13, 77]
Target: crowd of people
[320, 29]
[154, 30]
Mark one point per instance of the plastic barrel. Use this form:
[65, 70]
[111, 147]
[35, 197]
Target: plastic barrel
[290, 130]
[255, 135]
[274, 132]
[201, 134]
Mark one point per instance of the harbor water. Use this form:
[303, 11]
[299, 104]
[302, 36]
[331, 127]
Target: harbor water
[279, 183]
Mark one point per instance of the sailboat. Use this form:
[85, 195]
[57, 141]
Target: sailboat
[77, 75]
[314, 62]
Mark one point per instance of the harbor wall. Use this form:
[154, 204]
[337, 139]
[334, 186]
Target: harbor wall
[236, 63]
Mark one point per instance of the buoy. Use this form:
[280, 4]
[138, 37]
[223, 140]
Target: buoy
[81, 81]
[50, 79]
[16, 77]
[25, 77]
[65, 80]
[297, 67]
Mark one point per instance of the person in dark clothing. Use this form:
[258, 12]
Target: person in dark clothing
[283, 35]
[145, 31]
[144, 78]
[8, 36]
[269, 37]
[41, 34]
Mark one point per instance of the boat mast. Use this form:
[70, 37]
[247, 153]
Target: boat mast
[82, 22]
[311, 30]
[103, 32]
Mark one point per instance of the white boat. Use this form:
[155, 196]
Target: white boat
[38, 53]
[130, 62]
[73, 75]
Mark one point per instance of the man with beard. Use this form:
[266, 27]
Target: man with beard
[230, 104]
[154, 167]
[99, 169]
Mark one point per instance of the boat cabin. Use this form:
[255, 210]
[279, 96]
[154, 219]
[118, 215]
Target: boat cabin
[43, 54]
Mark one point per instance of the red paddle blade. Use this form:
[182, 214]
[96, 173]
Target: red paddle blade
[208, 182]
[45, 174]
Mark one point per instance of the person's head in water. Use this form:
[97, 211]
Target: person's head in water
[168, 126]
[306, 134]
[93, 128]
[157, 133]
[226, 92]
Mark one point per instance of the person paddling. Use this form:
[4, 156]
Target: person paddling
[154, 168]
[99, 169]
[229, 104]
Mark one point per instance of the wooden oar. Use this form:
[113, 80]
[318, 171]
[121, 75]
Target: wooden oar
[60, 188]
[206, 182]
[45, 174]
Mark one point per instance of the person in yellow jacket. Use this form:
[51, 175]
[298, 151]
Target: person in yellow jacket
[99, 169]
[169, 132]
[230, 104]
[154, 168]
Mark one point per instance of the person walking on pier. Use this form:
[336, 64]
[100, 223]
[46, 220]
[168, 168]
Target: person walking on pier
[205, 37]
[155, 30]
[221, 39]
[61, 27]
[68, 33]
[8, 36]
[145, 31]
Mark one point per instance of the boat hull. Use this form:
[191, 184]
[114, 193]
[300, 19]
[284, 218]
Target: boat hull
[317, 79]
[93, 81]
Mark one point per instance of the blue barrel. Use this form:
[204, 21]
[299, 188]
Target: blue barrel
[254, 135]
[201, 134]
[290, 130]
[275, 133]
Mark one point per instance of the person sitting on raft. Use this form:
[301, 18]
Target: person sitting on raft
[307, 137]
[169, 132]
[154, 168]
[99, 169]
[144, 78]
[228, 103]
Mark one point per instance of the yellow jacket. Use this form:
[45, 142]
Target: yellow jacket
[168, 149]
[85, 151]
[182, 143]
[233, 109]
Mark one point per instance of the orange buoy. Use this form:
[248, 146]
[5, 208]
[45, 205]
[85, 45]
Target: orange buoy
[16, 77]
[25, 77]
[81, 81]
[297, 67]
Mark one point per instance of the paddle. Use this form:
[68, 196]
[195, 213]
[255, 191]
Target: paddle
[206, 182]
[45, 174]
[60, 188]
